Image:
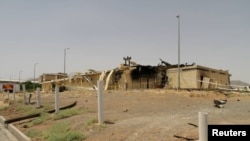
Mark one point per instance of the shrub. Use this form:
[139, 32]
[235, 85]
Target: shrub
[41, 119]
[34, 134]
[61, 132]
[66, 113]
[91, 121]
[27, 109]
[3, 108]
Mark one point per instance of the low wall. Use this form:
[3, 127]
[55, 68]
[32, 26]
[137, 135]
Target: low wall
[19, 135]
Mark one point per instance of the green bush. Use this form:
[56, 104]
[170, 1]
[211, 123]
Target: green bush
[41, 119]
[69, 136]
[34, 134]
[30, 86]
[3, 108]
[61, 132]
[37, 121]
[91, 121]
[27, 109]
[20, 101]
[66, 113]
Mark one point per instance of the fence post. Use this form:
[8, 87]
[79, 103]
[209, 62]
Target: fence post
[24, 94]
[38, 97]
[14, 94]
[8, 94]
[56, 99]
[203, 129]
[100, 101]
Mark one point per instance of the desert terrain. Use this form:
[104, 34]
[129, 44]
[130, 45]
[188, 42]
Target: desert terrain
[135, 115]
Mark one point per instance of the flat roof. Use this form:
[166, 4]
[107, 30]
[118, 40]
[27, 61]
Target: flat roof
[201, 67]
[8, 80]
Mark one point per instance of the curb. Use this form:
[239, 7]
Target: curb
[19, 135]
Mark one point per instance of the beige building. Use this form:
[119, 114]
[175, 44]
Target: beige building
[198, 77]
[52, 76]
[134, 76]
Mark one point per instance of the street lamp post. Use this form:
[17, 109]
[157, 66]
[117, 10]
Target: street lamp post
[34, 75]
[178, 52]
[65, 60]
[19, 76]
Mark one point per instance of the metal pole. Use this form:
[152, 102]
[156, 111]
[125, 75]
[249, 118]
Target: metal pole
[34, 76]
[203, 129]
[19, 76]
[19, 81]
[8, 94]
[38, 97]
[14, 93]
[56, 99]
[24, 94]
[178, 52]
[65, 60]
[100, 101]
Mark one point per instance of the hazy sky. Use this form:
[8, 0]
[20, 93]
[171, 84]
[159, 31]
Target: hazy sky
[99, 33]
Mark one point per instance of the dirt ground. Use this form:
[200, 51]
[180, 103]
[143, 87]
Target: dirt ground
[143, 115]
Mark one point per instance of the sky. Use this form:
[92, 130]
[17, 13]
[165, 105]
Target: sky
[99, 33]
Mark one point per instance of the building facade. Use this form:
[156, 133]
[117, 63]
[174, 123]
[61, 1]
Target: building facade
[198, 77]
[10, 85]
[134, 76]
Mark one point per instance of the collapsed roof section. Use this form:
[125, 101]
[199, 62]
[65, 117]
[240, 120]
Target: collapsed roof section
[131, 75]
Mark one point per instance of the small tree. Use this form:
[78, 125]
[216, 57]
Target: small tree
[31, 86]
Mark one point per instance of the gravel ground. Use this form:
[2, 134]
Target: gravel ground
[145, 115]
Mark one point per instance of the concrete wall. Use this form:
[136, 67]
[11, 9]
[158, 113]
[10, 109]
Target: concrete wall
[217, 78]
[196, 77]
[187, 78]
[1, 87]
[52, 76]
[78, 81]
[190, 77]
[125, 80]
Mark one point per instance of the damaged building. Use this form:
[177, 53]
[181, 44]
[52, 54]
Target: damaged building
[131, 75]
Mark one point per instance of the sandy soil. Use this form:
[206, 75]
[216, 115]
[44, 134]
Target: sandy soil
[144, 115]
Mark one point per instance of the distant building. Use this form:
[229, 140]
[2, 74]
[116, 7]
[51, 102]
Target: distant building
[52, 76]
[9, 85]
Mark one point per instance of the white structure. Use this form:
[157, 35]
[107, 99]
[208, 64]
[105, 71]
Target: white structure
[15, 86]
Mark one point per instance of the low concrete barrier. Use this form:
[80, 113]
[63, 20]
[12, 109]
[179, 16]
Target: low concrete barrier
[14, 130]
[2, 119]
